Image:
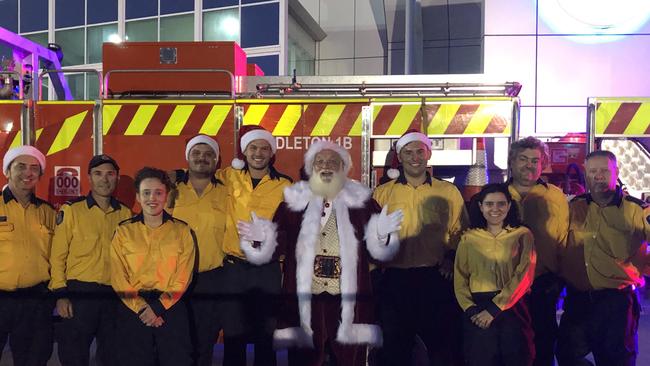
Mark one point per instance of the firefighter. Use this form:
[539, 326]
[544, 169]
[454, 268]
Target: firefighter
[200, 201]
[544, 209]
[494, 269]
[80, 266]
[152, 261]
[609, 231]
[253, 185]
[26, 227]
[415, 292]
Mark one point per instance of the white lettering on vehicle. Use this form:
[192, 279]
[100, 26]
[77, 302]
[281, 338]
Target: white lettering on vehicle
[303, 142]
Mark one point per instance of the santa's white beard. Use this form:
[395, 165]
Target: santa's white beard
[329, 189]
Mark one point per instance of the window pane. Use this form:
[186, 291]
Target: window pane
[221, 25]
[76, 83]
[141, 8]
[177, 28]
[211, 4]
[142, 30]
[175, 6]
[268, 64]
[9, 15]
[69, 13]
[40, 38]
[254, 19]
[96, 37]
[92, 87]
[102, 11]
[33, 15]
[72, 44]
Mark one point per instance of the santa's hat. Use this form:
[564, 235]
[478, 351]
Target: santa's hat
[247, 134]
[12, 154]
[201, 139]
[408, 137]
[321, 145]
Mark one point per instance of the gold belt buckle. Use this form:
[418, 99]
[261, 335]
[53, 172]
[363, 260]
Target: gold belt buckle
[326, 266]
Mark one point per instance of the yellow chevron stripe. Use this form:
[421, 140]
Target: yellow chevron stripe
[288, 121]
[38, 133]
[109, 112]
[141, 120]
[604, 114]
[356, 126]
[480, 120]
[215, 119]
[640, 121]
[403, 119]
[18, 137]
[177, 120]
[67, 132]
[328, 120]
[254, 114]
[442, 119]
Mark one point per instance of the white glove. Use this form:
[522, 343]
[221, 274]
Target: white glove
[251, 231]
[387, 224]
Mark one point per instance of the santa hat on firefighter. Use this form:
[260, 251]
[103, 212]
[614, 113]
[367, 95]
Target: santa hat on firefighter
[408, 137]
[201, 139]
[247, 134]
[321, 145]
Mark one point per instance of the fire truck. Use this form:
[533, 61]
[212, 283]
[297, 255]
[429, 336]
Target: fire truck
[155, 96]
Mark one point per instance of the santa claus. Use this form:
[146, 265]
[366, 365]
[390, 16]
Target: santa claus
[328, 229]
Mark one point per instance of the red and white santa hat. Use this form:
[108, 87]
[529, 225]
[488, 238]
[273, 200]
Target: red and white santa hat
[408, 137]
[201, 139]
[321, 145]
[247, 134]
[12, 154]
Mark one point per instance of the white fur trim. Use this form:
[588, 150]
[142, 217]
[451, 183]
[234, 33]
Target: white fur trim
[369, 334]
[393, 173]
[353, 193]
[264, 252]
[321, 145]
[12, 154]
[258, 134]
[410, 137]
[379, 249]
[237, 164]
[201, 139]
[292, 337]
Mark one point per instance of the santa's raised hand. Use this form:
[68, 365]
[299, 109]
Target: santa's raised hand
[389, 223]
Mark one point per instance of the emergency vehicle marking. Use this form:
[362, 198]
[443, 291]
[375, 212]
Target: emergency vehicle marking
[177, 120]
[67, 132]
[288, 121]
[215, 119]
[141, 120]
[109, 112]
[622, 118]
[254, 114]
[328, 120]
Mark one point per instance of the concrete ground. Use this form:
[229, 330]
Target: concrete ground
[643, 358]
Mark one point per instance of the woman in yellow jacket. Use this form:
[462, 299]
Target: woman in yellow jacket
[494, 269]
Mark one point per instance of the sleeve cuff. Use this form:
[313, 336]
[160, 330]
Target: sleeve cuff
[156, 306]
[493, 309]
[60, 293]
[472, 310]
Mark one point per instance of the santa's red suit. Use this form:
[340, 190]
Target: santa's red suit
[294, 233]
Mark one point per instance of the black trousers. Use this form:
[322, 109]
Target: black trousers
[250, 310]
[26, 319]
[417, 302]
[325, 320]
[205, 296]
[507, 342]
[543, 299]
[140, 345]
[603, 322]
[93, 308]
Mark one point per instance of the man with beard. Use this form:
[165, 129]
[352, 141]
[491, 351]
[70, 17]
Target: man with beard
[200, 201]
[416, 295]
[609, 232]
[252, 185]
[26, 226]
[81, 273]
[328, 229]
[544, 209]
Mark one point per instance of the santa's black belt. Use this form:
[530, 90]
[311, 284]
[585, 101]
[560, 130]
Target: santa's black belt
[326, 266]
